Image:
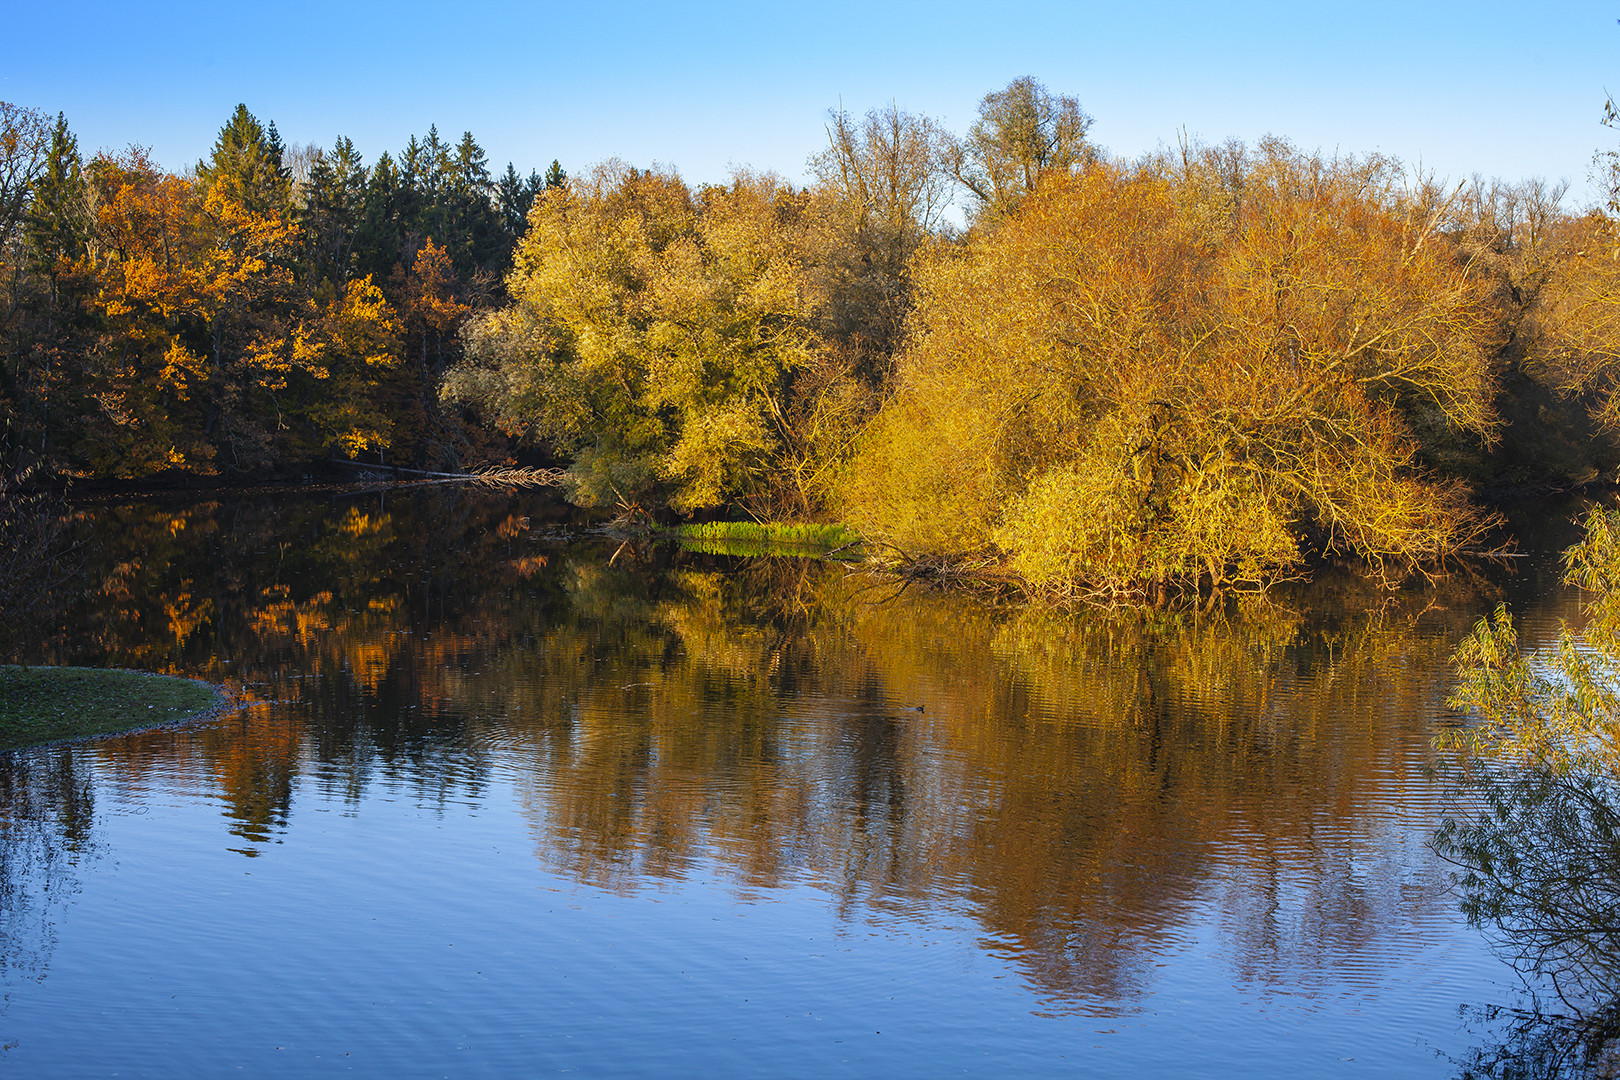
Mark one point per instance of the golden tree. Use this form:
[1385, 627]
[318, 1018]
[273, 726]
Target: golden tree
[1147, 378]
[650, 337]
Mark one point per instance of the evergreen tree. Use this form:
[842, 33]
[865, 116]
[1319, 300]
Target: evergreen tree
[46, 339]
[471, 168]
[276, 152]
[379, 242]
[59, 220]
[473, 231]
[413, 192]
[246, 166]
[333, 214]
[514, 197]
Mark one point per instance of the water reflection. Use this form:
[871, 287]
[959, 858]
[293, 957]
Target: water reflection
[1536, 1040]
[47, 807]
[1095, 789]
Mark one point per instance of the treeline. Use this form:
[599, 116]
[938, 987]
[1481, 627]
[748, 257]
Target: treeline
[1201, 369]
[270, 306]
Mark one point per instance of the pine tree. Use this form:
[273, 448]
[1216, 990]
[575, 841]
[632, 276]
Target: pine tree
[379, 243]
[246, 166]
[413, 194]
[276, 152]
[333, 214]
[59, 221]
[473, 231]
[514, 198]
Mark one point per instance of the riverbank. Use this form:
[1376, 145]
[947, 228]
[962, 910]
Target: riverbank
[61, 704]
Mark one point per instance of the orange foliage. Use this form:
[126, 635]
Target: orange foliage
[1148, 377]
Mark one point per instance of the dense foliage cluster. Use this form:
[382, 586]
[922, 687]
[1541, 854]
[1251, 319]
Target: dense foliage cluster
[1198, 370]
[276, 305]
[1154, 373]
[651, 333]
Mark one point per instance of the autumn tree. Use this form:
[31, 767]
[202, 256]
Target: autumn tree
[650, 336]
[1144, 379]
[339, 362]
[251, 314]
[142, 394]
[210, 354]
[1023, 133]
[1577, 317]
[431, 315]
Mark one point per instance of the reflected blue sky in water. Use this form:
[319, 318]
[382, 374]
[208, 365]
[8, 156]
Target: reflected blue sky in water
[499, 808]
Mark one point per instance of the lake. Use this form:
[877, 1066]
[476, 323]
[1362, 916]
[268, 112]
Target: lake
[504, 798]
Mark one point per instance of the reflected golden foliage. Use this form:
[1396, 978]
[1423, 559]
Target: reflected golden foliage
[1089, 783]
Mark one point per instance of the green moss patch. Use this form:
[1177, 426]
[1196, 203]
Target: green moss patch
[724, 536]
[53, 704]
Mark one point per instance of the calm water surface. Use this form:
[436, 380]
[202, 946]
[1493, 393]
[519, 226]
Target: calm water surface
[500, 804]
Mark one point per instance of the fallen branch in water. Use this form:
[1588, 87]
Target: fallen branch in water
[978, 571]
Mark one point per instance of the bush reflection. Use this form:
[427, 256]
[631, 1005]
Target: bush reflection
[1091, 787]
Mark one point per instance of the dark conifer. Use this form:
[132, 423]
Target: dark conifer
[333, 213]
[379, 242]
[246, 167]
[59, 213]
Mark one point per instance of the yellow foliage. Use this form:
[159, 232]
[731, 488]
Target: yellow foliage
[651, 336]
[1145, 377]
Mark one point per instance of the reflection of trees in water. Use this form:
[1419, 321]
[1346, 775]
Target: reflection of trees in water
[1091, 786]
[1540, 859]
[1538, 853]
[46, 814]
[336, 620]
[1138, 765]
[1082, 782]
[1539, 1043]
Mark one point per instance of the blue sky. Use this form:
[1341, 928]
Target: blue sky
[1510, 90]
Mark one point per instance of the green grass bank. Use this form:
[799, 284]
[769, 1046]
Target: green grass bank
[729, 537]
[53, 704]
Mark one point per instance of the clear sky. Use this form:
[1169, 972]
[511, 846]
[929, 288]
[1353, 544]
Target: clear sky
[1502, 89]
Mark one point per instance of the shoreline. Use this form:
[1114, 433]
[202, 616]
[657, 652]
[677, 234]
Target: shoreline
[102, 700]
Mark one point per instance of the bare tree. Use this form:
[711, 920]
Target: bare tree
[25, 139]
[883, 189]
[892, 167]
[299, 160]
[1023, 133]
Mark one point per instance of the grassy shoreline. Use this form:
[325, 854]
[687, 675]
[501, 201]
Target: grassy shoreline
[822, 538]
[62, 704]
